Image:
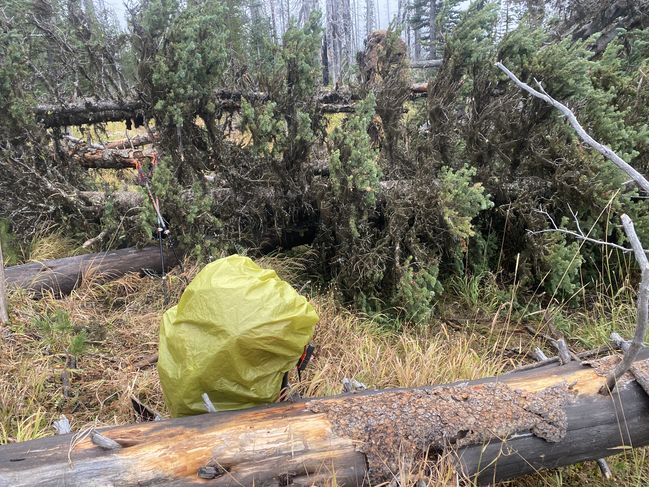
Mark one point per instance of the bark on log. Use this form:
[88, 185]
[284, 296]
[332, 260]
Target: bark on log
[137, 141]
[544, 417]
[112, 158]
[88, 111]
[61, 276]
[96, 111]
[121, 154]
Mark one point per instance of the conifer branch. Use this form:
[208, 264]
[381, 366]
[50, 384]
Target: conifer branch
[572, 119]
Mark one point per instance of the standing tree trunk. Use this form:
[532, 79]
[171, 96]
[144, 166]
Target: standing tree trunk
[417, 43]
[370, 21]
[357, 39]
[347, 36]
[273, 22]
[333, 40]
[306, 8]
[282, 24]
[432, 29]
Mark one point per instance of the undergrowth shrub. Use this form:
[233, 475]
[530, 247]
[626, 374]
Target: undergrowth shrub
[417, 291]
[59, 334]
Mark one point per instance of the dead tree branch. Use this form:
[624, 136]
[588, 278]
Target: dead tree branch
[572, 119]
[578, 235]
[643, 302]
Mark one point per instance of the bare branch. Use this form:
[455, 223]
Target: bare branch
[579, 235]
[4, 316]
[572, 119]
[643, 312]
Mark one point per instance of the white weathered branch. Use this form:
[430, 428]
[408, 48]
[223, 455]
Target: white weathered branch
[643, 307]
[579, 234]
[572, 119]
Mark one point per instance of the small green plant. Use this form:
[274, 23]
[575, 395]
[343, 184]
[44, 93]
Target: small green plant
[468, 288]
[8, 243]
[461, 200]
[563, 261]
[417, 290]
[60, 335]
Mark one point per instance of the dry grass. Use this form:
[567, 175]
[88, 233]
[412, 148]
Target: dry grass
[48, 243]
[349, 345]
[121, 319]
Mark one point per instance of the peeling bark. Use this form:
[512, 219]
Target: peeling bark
[112, 158]
[497, 428]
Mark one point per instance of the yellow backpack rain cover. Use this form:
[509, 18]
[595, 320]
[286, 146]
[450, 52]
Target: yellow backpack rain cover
[234, 333]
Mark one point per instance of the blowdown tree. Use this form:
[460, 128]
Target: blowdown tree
[450, 188]
[526, 155]
[57, 51]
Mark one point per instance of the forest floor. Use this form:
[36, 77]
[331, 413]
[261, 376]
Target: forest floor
[479, 329]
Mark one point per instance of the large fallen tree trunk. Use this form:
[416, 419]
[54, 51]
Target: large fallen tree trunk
[96, 111]
[61, 276]
[496, 428]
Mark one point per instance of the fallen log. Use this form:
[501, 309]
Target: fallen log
[88, 111]
[96, 111]
[496, 428]
[113, 158]
[61, 276]
[137, 141]
[115, 155]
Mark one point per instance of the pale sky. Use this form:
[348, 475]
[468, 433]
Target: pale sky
[382, 7]
[117, 6]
